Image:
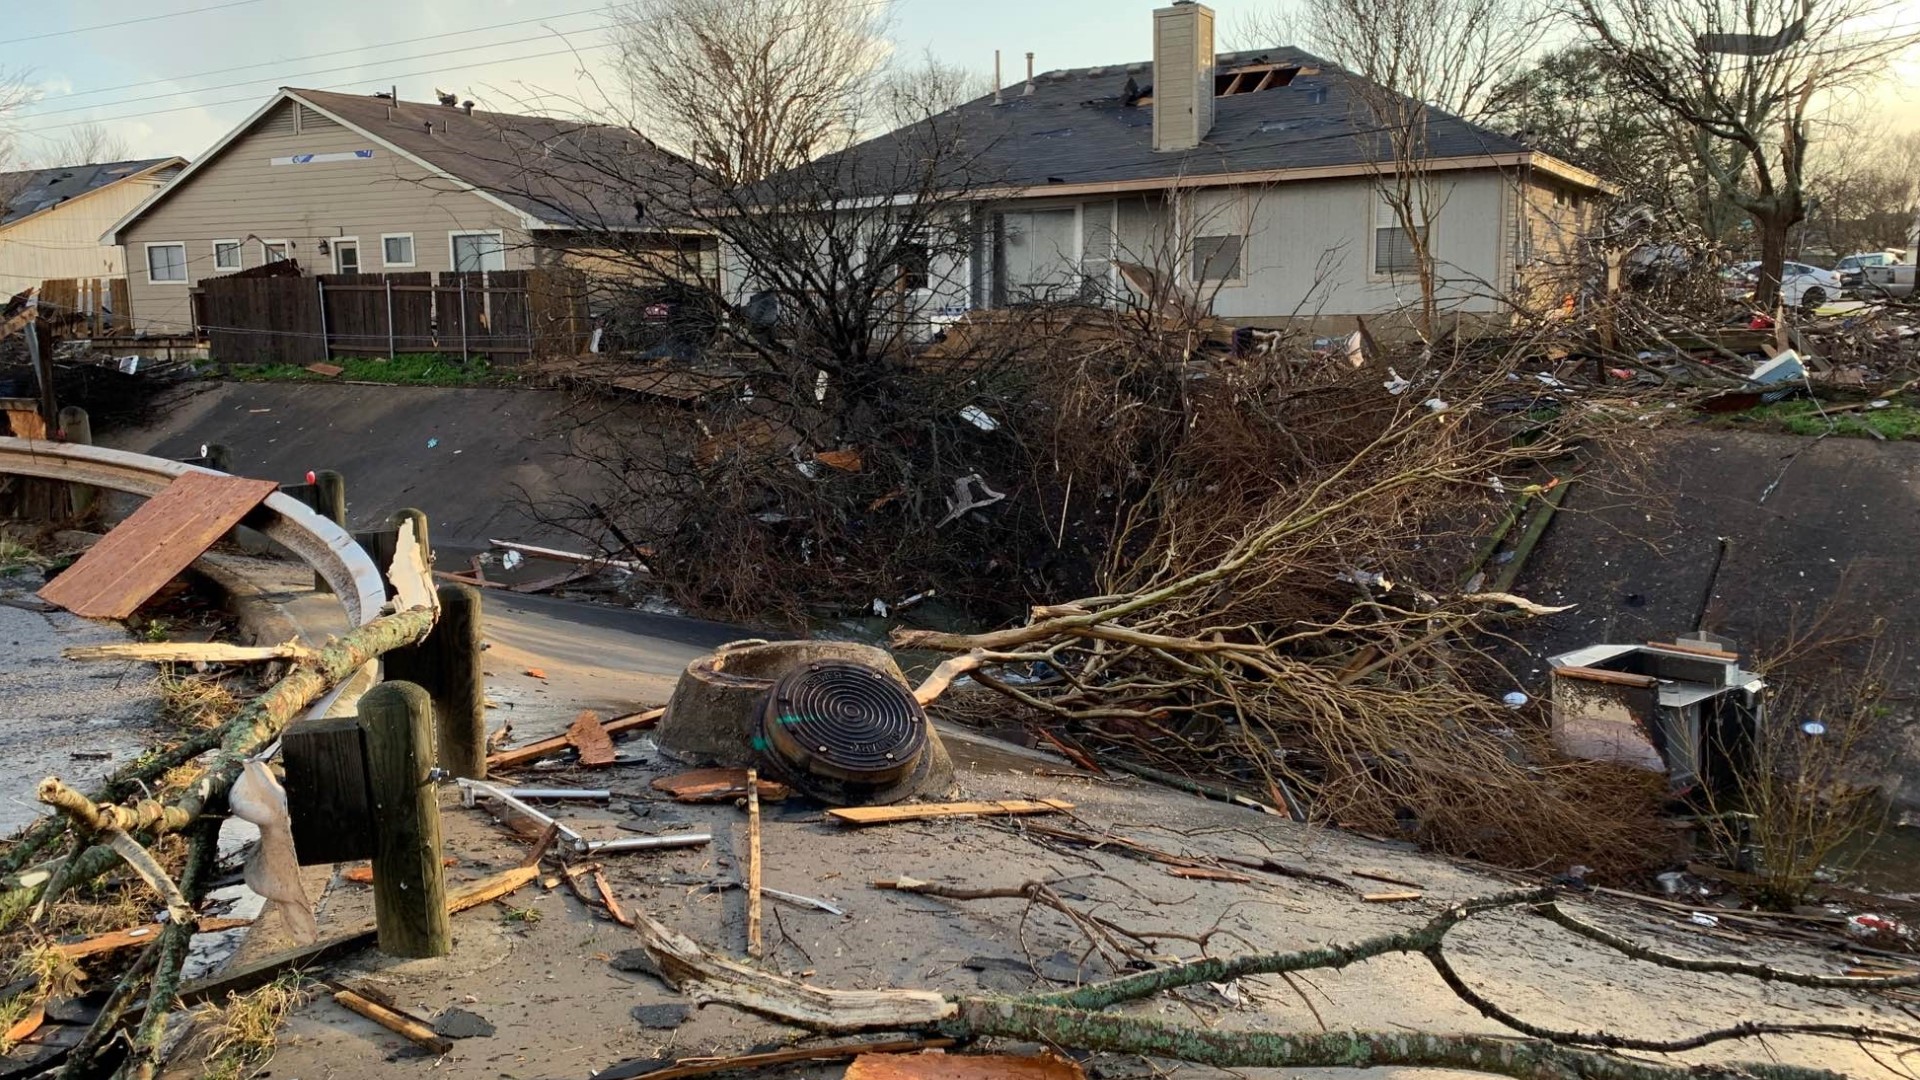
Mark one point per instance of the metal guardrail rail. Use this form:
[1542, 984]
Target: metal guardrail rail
[326, 547]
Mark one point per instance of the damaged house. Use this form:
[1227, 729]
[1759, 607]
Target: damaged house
[1251, 181]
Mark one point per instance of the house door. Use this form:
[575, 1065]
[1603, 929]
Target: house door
[346, 256]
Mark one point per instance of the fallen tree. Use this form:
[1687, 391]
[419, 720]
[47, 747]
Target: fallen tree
[1081, 1019]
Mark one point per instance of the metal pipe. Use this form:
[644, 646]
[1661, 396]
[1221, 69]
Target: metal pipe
[475, 789]
[647, 843]
[557, 793]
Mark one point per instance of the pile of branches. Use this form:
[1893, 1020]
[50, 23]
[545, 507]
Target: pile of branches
[1279, 608]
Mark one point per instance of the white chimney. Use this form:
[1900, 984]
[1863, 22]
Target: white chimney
[1182, 75]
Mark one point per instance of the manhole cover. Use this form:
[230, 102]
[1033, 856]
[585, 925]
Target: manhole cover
[844, 732]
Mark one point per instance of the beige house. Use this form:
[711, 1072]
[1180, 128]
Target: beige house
[51, 219]
[349, 183]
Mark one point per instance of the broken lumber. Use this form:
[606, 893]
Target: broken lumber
[1389, 897]
[606, 897]
[887, 815]
[939, 1066]
[1207, 873]
[717, 785]
[188, 652]
[138, 935]
[590, 738]
[687, 1068]
[533, 751]
[753, 863]
[417, 1031]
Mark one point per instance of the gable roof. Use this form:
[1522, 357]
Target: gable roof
[33, 191]
[1093, 127]
[553, 173]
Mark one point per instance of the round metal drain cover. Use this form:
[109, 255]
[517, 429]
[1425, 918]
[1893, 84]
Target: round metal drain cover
[844, 733]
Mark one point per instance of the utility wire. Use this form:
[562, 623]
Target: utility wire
[314, 56]
[127, 22]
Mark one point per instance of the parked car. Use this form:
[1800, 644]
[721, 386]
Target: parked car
[1887, 281]
[1852, 269]
[1801, 285]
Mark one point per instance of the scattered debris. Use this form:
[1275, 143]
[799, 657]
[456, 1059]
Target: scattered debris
[507, 759]
[590, 738]
[887, 815]
[661, 1017]
[753, 863]
[1390, 897]
[188, 652]
[688, 1068]
[937, 1065]
[417, 1031]
[457, 1023]
[328, 370]
[717, 785]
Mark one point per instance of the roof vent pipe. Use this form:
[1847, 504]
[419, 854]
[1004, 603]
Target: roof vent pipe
[996, 76]
[1029, 88]
[467, 107]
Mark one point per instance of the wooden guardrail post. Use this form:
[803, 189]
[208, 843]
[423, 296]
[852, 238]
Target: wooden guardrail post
[330, 491]
[447, 666]
[77, 428]
[409, 882]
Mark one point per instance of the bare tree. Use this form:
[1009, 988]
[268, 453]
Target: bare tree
[748, 88]
[85, 144]
[1745, 75]
[1864, 188]
[1414, 57]
[15, 93]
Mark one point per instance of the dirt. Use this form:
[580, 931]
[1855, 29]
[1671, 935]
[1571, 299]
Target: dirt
[554, 984]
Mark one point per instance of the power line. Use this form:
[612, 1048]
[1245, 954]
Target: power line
[322, 55]
[280, 80]
[128, 22]
[331, 86]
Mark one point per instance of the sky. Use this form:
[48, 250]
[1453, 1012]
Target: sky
[173, 76]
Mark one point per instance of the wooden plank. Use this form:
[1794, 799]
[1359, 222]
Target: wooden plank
[887, 815]
[1696, 650]
[415, 1029]
[533, 751]
[1208, 873]
[26, 423]
[1389, 897]
[963, 1067]
[753, 863]
[151, 547]
[188, 652]
[329, 801]
[1611, 678]
[591, 740]
[138, 935]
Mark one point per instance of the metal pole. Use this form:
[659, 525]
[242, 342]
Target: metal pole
[463, 318]
[325, 352]
[389, 283]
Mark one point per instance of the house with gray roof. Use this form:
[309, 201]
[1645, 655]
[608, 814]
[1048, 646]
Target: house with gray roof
[1254, 181]
[367, 183]
[51, 219]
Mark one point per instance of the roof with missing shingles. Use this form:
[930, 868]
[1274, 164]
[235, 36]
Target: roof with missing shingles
[33, 190]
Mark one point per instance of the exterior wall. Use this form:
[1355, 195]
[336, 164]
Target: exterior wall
[244, 196]
[1551, 223]
[64, 242]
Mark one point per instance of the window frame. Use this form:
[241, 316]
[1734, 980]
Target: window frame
[239, 255]
[413, 250]
[1239, 261]
[1382, 216]
[453, 256]
[146, 253]
[286, 250]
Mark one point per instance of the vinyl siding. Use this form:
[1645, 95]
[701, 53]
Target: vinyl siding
[64, 242]
[242, 196]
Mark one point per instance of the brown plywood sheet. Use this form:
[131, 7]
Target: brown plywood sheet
[153, 545]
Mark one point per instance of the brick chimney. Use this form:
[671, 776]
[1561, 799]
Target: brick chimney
[1182, 75]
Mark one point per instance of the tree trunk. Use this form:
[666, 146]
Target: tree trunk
[1773, 256]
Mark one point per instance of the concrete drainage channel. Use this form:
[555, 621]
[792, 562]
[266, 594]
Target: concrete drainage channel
[329, 550]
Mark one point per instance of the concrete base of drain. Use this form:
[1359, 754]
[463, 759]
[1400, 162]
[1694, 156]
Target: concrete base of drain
[713, 717]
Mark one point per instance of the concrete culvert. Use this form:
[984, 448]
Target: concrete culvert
[854, 697]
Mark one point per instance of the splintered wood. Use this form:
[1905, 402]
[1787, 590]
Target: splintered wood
[887, 815]
[154, 544]
[534, 751]
[717, 785]
[938, 1066]
[753, 862]
[591, 740]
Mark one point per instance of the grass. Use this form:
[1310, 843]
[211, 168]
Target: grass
[12, 1011]
[15, 556]
[51, 970]
[242, 1031]
[194, 702]
[521, 916]
[406, 369]
[1803, 417]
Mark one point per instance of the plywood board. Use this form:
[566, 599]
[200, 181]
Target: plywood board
[159, 540]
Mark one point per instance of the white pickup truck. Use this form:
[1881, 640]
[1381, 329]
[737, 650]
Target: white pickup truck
[1896, 280]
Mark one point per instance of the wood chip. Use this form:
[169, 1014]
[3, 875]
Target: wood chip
[717, 785]
[939, 1066]
[591, 740]
[1389, 897]
[536, 673]
[886, 815]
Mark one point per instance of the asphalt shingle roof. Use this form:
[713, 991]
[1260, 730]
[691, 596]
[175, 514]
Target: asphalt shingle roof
[33, 190]
[1077, 127]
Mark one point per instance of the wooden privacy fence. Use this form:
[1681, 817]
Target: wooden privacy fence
[84, 307]
[500, 314]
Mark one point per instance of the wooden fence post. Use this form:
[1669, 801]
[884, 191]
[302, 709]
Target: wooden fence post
[463, 319]
[326, 353]
[387, 280]
[409, 883]
[330, 489]
[447, 665]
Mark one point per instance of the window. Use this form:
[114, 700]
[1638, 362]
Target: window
[396, 249]
[1393, 249]
[167, 263]
[226, 254]
[346, 255]
[1216, 258]
[272, 251]
[477, 251]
